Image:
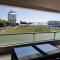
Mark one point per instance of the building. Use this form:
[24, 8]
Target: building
[54, 24]
[12, 18]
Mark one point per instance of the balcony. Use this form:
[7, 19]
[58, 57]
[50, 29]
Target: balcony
[19, 39]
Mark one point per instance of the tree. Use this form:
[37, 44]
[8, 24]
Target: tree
[29, 23]
[4, 23]
[8, 23]
[23, 22]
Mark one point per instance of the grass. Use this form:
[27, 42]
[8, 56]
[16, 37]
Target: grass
[26, 30]
[23, 29]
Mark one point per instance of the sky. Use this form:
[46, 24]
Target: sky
[28, 15]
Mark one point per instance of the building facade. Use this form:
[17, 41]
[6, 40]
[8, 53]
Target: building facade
[54, 24]
[12, 18]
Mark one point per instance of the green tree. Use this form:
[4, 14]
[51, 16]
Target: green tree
[3, 23]
[24, 22]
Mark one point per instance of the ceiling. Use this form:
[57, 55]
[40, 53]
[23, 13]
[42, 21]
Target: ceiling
[50, 5]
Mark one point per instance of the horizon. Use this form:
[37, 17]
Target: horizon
[28, 15]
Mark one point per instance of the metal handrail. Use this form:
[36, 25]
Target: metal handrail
[26, 33]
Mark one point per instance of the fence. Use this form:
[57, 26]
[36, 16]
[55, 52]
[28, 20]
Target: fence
[13, 39]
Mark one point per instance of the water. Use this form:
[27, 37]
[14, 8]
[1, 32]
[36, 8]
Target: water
[22, 38]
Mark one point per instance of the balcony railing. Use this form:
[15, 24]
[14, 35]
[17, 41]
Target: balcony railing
[18, 38]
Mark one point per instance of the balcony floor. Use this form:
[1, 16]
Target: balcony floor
[5, 57]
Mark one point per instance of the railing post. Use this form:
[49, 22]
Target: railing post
[1, 39]
[54, 35]
[33, 37]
